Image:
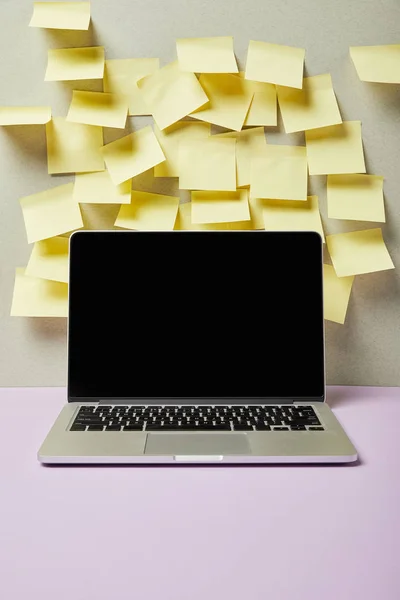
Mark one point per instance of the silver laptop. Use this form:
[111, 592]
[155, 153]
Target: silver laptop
[196, 347]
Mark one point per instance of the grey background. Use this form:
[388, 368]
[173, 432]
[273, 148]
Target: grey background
[365, 351]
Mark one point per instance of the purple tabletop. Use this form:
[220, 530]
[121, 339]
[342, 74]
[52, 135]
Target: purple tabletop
[179, 533]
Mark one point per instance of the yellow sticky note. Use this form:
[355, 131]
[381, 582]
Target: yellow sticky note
[184, 222]
[272, 63]
[230, 101]
[49, 260]
[249, 142]
[380, 64]
[220, 207]
[284, 215]
[171, 94]
[263, 110]
[67, 64]
[312, 107]
[207, 164]
[149, 212]
[279, 172]
[98, 188]
[256, 212]
[336, 295]
[169, 140]
[206, 55]
[73, 147]
[24, 115]
[50, 213]
[336, 149]
[358, 252]
[358, 197]
[121, 77]
[61, 15]
[35, 297]
[132, 154]
[98, 108]
[263, 107]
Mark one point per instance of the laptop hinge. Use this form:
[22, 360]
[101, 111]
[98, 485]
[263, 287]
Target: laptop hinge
[200, 401]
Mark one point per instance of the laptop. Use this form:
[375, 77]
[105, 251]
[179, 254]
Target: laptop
[196, 347]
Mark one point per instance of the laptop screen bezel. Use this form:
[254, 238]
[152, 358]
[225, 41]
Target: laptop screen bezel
[191, 399]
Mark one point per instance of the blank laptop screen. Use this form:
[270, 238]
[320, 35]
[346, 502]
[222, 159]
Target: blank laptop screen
[183, 315]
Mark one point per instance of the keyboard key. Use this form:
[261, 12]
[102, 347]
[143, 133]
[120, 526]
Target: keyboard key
[222, 427]
[95, 428]
[315, 429]
[78, 427]
[113, 428]
[281, 429]
[262, 427]
[243, 427]
[133, 428]
[298, 427]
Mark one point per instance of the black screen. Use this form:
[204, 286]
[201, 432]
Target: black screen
[196, 315]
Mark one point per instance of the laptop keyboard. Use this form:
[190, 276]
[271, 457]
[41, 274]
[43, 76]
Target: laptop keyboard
[196, 418]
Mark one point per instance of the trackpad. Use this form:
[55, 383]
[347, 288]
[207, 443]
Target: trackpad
[197, 443]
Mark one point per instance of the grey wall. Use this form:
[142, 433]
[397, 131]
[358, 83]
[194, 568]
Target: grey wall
[364, 351]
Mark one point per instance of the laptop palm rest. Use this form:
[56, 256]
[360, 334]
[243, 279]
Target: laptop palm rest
[197, 444]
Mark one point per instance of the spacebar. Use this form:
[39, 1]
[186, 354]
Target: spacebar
[219, 427]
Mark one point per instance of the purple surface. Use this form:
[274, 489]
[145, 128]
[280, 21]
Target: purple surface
[174, 533]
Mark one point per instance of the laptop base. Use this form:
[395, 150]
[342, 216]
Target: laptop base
[63, 446]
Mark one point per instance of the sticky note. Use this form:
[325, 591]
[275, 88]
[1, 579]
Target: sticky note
[24, 115]
[98, 188]
[336, 295]
[272, 63]
[148, 212]
[230, 101]
[358, 252]
[312, 107]
[263, 107]
[256, 212]
[207, 164]
[220, 207]
[61, 15]
[171, 94]
[35, 297]
[336, 149]
[358, 197]
[286, 215]
[50, 213]
[98, 108]
[49, 260]
[279, 172]
[249, 142]
[184, 222]
[380, 64]
[121, 77]
[68, 64]
[169, 139]
[73, 147]
[132, 154]
[206, 55]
